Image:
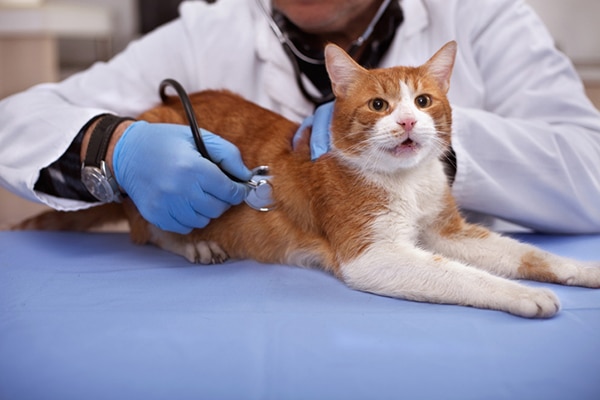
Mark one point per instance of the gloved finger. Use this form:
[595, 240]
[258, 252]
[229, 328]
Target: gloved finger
[306, 123]
[181, 217]
[187, 218]
[320, 137]
[169, 222]
[216, 183]
[226, 155]
[174, 226]
[206, 205]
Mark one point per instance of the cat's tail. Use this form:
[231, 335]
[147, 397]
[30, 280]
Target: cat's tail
[82, 220]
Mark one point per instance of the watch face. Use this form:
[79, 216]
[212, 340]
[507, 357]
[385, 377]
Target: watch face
[97, 184]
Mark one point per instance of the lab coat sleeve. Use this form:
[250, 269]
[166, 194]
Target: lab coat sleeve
[533, 155]
[38, 125]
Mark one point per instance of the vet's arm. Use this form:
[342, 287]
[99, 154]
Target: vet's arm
[173, 187]
[531, 156]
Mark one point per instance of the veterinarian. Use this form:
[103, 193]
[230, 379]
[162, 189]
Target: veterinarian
[526, 138]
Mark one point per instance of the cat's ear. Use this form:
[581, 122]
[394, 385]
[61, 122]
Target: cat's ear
[342, 69]
[441, 64]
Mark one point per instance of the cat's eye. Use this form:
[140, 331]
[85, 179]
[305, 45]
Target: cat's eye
[423, 101]
[378, 104]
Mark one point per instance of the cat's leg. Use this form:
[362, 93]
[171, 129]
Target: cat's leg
[414, 274]
[188, 246]
[508, 257]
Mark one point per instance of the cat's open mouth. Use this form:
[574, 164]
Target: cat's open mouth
[407, 147]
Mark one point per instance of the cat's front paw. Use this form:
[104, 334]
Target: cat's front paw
[535, 303]
[204, 252]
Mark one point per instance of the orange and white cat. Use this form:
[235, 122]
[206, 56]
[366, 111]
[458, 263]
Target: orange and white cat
[376, 211]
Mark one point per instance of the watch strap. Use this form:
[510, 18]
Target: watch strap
[100, 137]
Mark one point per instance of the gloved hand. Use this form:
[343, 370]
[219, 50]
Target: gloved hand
[171, 184]
[320, 137]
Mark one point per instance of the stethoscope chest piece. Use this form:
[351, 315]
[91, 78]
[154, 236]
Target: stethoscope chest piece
[261, 191]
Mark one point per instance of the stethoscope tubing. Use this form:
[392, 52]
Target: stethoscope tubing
[191, 117]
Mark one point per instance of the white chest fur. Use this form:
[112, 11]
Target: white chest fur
[415, 199]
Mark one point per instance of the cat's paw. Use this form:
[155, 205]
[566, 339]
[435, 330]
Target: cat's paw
[188, 246]
[204, 252]
[535, 303]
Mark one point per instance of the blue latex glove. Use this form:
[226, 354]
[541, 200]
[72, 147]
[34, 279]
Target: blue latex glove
[320, 137]
[171, 184]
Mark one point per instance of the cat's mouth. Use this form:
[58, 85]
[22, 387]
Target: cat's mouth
[407, 147]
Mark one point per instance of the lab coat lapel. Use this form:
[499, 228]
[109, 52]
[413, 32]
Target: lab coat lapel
[279, 82]
[279, 78]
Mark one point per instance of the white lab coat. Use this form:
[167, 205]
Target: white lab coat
[526, 137]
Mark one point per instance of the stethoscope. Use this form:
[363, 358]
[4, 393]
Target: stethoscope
[260, 195]
[294, 53]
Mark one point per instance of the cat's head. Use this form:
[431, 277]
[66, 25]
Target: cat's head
[390, 119]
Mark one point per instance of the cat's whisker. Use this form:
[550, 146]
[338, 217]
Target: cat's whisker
[449, 160]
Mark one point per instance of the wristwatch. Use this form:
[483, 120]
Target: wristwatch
[95, 174]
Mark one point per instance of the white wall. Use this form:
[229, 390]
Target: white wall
[575, 25]
[124, 15]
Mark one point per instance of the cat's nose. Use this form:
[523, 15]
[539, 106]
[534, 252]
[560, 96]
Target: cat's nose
[407, 123]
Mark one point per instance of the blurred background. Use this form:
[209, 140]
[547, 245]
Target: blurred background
[47, 40]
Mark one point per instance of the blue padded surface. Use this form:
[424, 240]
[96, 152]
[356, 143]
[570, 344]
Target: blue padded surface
[92, 316]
